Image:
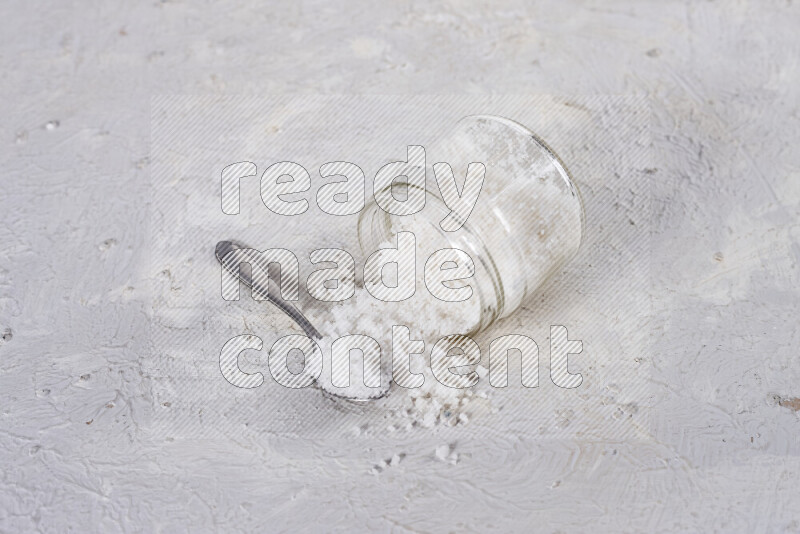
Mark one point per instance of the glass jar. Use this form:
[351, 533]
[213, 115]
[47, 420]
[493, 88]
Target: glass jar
[527, 223]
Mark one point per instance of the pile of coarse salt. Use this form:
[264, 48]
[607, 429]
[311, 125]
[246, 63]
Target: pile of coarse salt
[429, 319]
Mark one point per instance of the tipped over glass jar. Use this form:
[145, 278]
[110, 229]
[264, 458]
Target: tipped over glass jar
[527, 223]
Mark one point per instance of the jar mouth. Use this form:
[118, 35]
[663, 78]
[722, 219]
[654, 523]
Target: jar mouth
[492, 304]
[557, 162]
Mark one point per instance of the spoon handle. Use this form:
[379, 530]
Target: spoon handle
[225, 252]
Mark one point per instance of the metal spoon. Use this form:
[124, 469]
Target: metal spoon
[230, 260]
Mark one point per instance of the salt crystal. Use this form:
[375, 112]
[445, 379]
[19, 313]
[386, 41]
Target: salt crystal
[429, 419]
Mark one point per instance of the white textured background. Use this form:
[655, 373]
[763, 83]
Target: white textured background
[724, 422]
